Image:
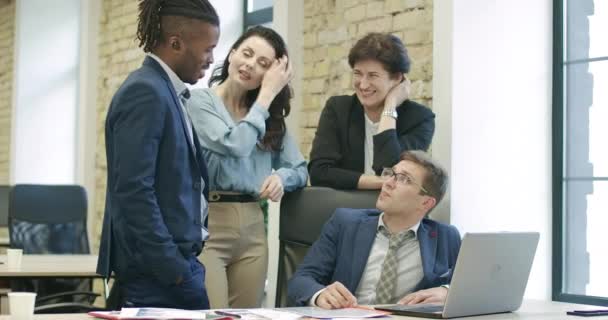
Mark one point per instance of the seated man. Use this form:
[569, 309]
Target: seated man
[390, 255]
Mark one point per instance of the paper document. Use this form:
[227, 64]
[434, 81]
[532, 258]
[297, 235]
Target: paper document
[259, 314]
[350, 313]
[155, 314]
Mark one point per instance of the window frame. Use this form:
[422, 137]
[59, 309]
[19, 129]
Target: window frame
[558, 198]
[256, 17]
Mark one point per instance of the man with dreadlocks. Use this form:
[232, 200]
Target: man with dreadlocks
[156, 199]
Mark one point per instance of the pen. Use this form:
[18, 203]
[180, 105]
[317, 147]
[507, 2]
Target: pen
[588, 313]
[592, 311]
[224, 313]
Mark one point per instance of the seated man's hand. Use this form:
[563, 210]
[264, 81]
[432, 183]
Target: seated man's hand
[336, 296]
[432, 295]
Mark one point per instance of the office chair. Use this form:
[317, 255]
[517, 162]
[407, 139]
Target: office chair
[303, 214]
[52, 219]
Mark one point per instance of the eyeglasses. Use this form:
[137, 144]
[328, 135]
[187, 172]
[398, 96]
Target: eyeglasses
[404, 179]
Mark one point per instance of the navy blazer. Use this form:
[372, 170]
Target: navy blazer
[152, 221]
[342, 250]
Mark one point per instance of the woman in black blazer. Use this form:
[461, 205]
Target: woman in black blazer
[359, 135]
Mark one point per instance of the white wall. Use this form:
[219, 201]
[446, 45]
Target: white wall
[90, 12]
[231, 28]
[442, 96]
[500, 115]
[46, 91]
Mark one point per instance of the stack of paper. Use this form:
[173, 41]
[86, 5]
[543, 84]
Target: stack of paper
[241, 314]
[346, 313]
[156, 314]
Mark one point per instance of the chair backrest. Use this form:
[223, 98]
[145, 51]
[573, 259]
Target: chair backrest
[48, 219]
[303, 214]
[4, 191]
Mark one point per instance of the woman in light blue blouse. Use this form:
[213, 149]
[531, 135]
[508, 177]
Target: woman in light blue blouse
[240, 123]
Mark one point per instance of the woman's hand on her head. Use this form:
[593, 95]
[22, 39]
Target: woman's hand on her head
[398, 94]
[275, 79]
[272, 188]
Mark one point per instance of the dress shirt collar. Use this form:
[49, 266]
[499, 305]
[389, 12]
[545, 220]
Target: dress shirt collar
[382, 225]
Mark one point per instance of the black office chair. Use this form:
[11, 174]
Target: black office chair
[303, 214]
[52, 219]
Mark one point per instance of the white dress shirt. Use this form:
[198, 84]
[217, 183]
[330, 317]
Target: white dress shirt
[182, 92]
[371, 129]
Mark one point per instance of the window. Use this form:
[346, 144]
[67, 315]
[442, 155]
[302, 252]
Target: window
[580, 158]
[257, 12]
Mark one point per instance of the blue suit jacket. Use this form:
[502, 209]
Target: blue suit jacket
[152, 221]
[342, 250]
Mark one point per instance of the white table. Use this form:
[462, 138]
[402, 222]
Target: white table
[36, 266]
[52, 266]
[530, 310]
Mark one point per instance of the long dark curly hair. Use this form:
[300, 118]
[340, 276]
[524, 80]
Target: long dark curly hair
[280, 106]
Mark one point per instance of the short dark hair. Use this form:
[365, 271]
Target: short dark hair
[280, 106]
[436, 179]
[149, 28]
[385, 48]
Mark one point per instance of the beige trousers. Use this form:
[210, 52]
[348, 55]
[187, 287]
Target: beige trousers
[236, 255]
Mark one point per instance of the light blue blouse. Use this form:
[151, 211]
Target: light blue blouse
[234, 160]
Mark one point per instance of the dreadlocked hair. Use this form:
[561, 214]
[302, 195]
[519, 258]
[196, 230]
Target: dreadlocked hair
[280, 106]
[149, 25]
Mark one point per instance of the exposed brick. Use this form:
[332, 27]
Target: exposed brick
[416, 36]
[332, 36]
[308, 134]
[336, 20]
[418, 53]
[419, 19]
[321, 68]
[319, 53]
[7, 36]
[308, 55]
[393, 6]
[308, 23]
[415, 4]
[346, 81]
[308, 8]
[374, 9]
[338, 51]
[383, 24]
[318, 23]
[355, 14]
[310, 40]
[317, 85]
[312, 119]
[308, 70]
[352, 31]
[422, 69]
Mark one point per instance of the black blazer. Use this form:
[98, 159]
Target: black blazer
[337, 155]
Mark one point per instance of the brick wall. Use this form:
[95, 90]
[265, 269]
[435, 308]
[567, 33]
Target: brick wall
[7, 36]
[118, 56]
[331, 27]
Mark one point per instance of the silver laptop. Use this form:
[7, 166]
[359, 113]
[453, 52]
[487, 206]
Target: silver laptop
[490, 276]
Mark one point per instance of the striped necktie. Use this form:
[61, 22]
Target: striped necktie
[385, 289]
